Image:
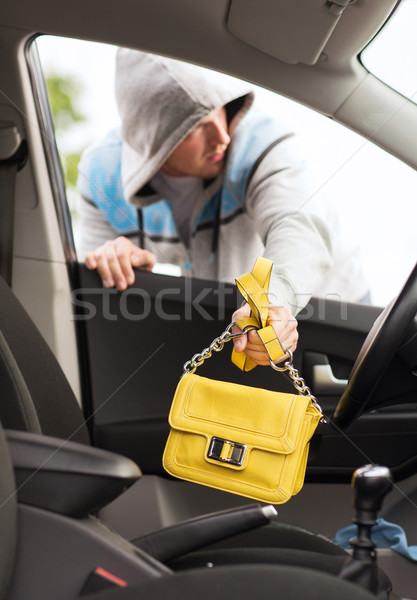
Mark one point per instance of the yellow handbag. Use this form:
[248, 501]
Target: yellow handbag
[244, 440]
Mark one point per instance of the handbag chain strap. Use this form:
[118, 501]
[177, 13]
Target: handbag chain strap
[218, 344]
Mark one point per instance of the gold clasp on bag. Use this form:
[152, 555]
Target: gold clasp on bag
[226, 451]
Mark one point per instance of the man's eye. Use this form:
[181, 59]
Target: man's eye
[194, 131]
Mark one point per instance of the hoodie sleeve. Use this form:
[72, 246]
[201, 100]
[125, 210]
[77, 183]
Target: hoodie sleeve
[288, 217]
[93, 229]
[102, 209]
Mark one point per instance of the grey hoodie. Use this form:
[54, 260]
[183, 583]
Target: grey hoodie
[168, 98]
[160, 100]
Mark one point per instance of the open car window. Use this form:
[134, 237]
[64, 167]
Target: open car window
[392, 54]
[371, 191]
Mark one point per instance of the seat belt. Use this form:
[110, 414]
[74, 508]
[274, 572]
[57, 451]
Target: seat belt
[13, 156]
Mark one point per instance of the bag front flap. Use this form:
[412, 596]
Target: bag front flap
[252, 416]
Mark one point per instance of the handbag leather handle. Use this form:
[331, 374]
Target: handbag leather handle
[254, 288]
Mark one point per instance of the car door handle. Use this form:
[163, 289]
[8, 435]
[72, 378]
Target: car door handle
[324, 382]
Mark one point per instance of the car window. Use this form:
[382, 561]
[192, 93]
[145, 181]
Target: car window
[392, 54]
[371, 191]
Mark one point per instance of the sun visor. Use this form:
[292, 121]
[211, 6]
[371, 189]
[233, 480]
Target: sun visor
[291, 30]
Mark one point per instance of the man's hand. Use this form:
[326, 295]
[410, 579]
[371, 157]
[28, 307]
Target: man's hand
[115, 260]
[284, 324]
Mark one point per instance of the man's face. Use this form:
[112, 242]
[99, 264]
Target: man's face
[202, 152]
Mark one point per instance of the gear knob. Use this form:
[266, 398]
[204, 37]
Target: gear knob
[370, 485]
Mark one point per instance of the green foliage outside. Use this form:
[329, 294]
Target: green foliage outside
[64, 95]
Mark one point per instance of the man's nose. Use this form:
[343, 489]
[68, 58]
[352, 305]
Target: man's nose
[219, 133]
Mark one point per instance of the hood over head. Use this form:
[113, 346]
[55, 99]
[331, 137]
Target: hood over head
[160, 100]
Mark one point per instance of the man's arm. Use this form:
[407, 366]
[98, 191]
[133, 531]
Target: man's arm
[93, 229]
[291, 223]
[286, 215]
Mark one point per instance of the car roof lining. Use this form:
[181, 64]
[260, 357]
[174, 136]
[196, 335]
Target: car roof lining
[201, 32]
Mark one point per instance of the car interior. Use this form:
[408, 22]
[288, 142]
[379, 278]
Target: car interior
[88, 373]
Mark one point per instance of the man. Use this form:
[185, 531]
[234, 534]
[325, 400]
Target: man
[210, 183]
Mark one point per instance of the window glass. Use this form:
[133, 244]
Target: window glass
[392, 54]
[373, 192]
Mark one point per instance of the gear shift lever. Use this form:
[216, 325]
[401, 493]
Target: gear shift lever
[370, 485]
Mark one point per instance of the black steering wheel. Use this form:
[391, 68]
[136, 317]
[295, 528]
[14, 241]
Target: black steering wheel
[378, 350]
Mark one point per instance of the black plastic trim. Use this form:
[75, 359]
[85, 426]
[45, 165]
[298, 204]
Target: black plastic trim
[67, 477]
